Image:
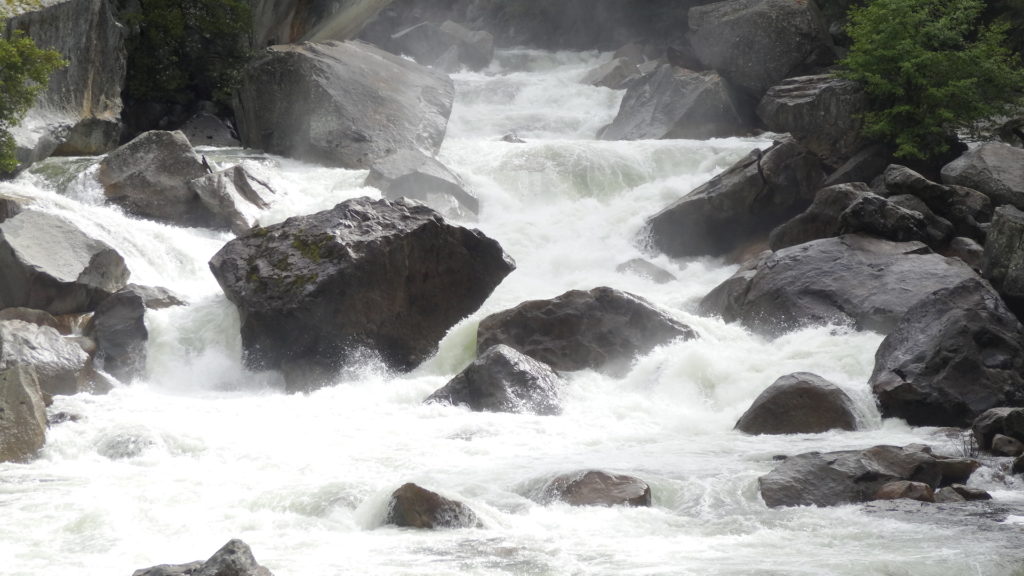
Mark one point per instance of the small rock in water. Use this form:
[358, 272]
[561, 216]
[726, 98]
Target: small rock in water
[1006, 446]
[645, 269]
[512, 138]
[414, 507]
[597, 488]
[905, 489]
[233, 559]
[971, 494]
[799, 403]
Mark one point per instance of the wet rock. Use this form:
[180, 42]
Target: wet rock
[972, 253]
[125, 444]
[326, 103]
[678, 103]
[1013, 424]
[821, 219]
[876, 216]
[854, 280]
[965, 208]
[601, 329]
[56, 361]
[91, 137]
[119, 329]
[800, 403]
[948, 496]
[740, 206]
[512, 138]
[233, 559]
[821, 112]
[989, 423]
[757, 43]
[864, 166]
[62, 418]
[939, 230]
[617, 74]
[503, 380]
[957, 470]
[1018, 465]
[317, 291]
[1004, 256]
[971, 494]
[233, 197]
[1006, 446]
[645, 269]
[22, 411]
[429, 44]
[149, 177]
[903, 489]
[845, 477]
[413, 174]
[955, 354]
[156, 297]
[414, 507]
[47, 263]
[994, 169]
[598, 488]
[205, 129]
[37, 317]
[9, 207]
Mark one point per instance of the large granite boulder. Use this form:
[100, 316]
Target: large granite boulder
[955, 354]
[678, 103]
[315, 292]
[739, 206]
[22, 412]
[600, 329]
[799, 403]
[845, 477]
[966, 208]
[757, 43]
[344, 104]
[855, 280]
[233, 559]
[597, 488]
[821, 112]
[49, 264]
[994, 169]
[1004, 256]
[413, 174]
[149, 177]
[119, 329]
[447, 46]
[503, 380]
[233, 196]
[56, 362]
[412, 506]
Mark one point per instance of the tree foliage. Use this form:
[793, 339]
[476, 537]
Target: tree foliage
[24, 71]
[929, 67]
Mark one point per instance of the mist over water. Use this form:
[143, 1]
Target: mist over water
[167, 469]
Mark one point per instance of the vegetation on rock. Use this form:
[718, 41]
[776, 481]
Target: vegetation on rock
[24, 71]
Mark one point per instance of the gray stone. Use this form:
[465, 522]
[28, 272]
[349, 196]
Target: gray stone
[205, 129]
[799, 403]
[9, 207]
[972, 253]
[341, 104]
[904, 489]
[874, 215]
[864, 166]
[994, 169]
[22, 413]
[1006, 446]
[233, 197]
[156, 297]
[119, 329]
[1004, 256]
[597, 488]
[617, 74]
[91, 137]
[233, 559]
[48, 264]
[32, 316]
[971, 494]
[414, 507]
[821, 219]
[965, 208]
[948, 496]
[645, 269]
[503, 380]
[600, 329]
[989, 423]
[56, 362]
[413, 174]
[939, 230]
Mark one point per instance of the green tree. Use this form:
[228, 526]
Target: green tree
[929, 67]
[24, 71]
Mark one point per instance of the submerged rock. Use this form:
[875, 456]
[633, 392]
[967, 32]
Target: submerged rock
[602, 329]
[233, 197]
[503, 380]
[994, 169]
[315, 292]
[800, 403]
[47, 263]
[233, 559]
[413, 174]
[598, 488]
[645, 269]
[156, 297]
[342, 104]
[414, 507]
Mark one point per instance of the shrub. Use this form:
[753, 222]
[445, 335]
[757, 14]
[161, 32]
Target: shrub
[929, 67]
[24, 72]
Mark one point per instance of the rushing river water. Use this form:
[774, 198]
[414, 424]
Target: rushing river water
[168, 469]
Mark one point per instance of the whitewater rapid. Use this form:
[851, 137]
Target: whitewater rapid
[170, 467]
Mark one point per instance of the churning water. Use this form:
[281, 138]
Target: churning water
[167, 469]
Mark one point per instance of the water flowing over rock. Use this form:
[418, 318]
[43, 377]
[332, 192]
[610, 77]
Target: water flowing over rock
[503, 380]
[49, 264]
[57, 363]
[22, 413]
[646, 269]
[413, 174]
[414, 507]
[233, 559]
[233, 197]
[678, 103]
[757, 43]
[598, 488]
[600, 329]
[954, 355]
[617, 74]
[994, 169]
[846, 477]
[799, 403]
[739, 206]
[965, 208]
[344, 104]
[854, 280]
[156, 297]
[1004, 256]
[119, 329]
[315, 292]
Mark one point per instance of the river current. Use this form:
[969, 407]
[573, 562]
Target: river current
[168, 468]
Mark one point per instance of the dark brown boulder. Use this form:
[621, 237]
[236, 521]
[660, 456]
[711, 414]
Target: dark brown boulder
[800, 403]
[597, 488]
[414, 507]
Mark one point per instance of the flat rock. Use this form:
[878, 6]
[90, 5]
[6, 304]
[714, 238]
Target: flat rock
[799, 403]
[414, 507]
[503, 380]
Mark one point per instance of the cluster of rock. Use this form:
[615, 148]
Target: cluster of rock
[1000, 431]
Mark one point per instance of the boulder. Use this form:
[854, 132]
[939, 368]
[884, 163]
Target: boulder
[47, 263]
[994, 169]
[344, 104]
[156, 297]
[799, 403]
[616, 74]
[990, 423]
[757, 43]
[823, 114]
[1013, 424]
[1006, 446]
[205, 129]
[600, 329]
[864, 166]
[9, 207]
[414, 507]
[149, 177]
[233, 197]
[645, 269]
[965, 208]
[90, 137]
[874, 215]
[1018, 465]
[233, 559]
[1003, 263]
[948, 496]
[903, 489]
[821, 219]
[503, 380]
[447, 46]
[972, 253]
[37, 317]
[971, 494]
[412, 174]
[955, 354]
[56, 363]
[119, 329]
[956, 470]
[597, 488]
[315, 292]
[739, 206]
[676, 103]
[855, 280]
[845, 477]
[22, 412]
[938, 231]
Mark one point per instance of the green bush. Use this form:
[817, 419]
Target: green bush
[929, 68]
[24, 72]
